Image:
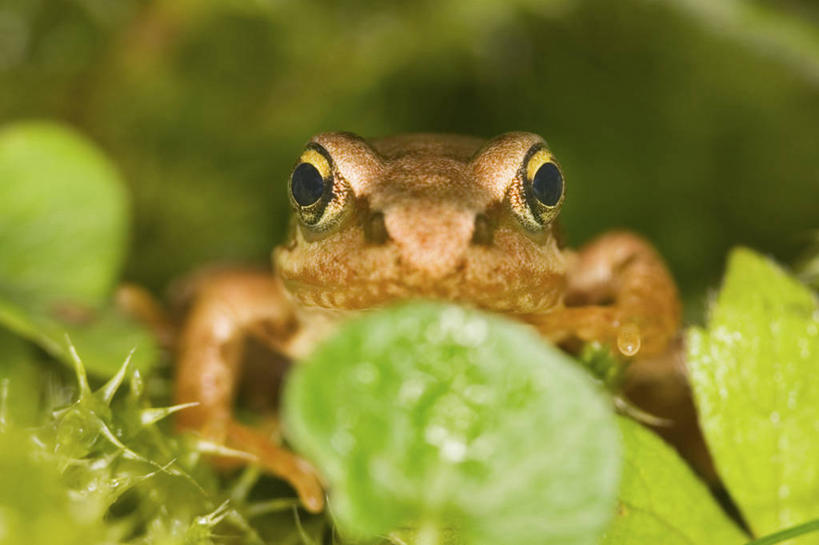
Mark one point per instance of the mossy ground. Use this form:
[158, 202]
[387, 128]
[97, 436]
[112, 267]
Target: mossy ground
[83, 466]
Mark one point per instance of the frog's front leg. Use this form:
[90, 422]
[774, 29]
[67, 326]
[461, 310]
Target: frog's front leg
[227, 308]
[619, 291]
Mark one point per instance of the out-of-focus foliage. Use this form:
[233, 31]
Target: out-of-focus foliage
[37, 507]
[662, 501]
[786, 31]
[808, 268]
[63, 225]
[692, 122]
[415, 422]
[753, 373]
[63, 217]
[102, 469]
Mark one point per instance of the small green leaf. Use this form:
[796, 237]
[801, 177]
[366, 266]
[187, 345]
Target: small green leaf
[753, 372]
[662, 501]
[63, 230]
[444, 419]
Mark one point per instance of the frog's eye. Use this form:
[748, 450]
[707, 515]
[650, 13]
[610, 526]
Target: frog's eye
[306, 184]
[538, 194]
[316, 193]
[547, 184]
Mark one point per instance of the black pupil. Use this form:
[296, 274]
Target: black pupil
[306, 184]
[548, 184]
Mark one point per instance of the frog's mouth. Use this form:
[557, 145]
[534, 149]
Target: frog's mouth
[347, 274]
[364, 296]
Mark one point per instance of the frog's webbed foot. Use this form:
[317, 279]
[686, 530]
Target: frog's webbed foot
[230, 307]
[620, 292]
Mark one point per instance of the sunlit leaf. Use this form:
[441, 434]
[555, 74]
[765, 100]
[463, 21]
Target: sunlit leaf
[662, 501]
[443, 419]
[753, 372]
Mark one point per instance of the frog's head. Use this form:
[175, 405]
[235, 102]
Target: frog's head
[438, 216]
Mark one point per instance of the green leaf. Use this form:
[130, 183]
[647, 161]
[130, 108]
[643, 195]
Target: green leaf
[63, 230]
[63, 214]
[662, 501]
[753, 372]
[104, 337]
[444, 419]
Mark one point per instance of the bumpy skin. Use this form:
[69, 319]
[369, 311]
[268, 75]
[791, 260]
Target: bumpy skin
[416, 216]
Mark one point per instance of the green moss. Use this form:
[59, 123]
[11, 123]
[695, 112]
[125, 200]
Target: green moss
[105, 469]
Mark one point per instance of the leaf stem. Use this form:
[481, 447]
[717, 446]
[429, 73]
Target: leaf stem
[788, 533]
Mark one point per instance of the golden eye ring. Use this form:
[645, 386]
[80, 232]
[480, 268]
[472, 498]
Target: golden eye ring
[539, 191]
[318, 195]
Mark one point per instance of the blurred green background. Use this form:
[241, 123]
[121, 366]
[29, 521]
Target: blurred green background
[694, 122]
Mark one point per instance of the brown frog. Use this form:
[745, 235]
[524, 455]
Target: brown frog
[446, 217]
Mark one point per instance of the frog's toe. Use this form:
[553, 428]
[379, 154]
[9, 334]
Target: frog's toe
[629, 339]
[280, 462]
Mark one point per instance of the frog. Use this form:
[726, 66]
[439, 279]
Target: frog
[446, 217]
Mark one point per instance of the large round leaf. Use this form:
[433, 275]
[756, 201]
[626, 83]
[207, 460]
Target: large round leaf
[448, 421]
[63, 232]
[63, 214]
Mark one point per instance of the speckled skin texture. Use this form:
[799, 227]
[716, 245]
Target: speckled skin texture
[429, 189]
[416, 216]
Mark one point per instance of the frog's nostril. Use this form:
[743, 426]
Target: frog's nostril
[374, 228]
[484, 230]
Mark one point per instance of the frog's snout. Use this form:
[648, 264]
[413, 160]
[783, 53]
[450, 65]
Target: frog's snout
[431, 239]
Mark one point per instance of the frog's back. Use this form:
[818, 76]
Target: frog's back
[452, 146]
